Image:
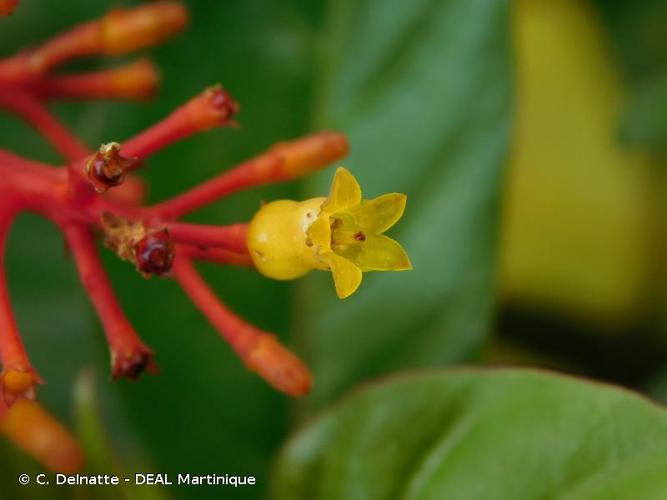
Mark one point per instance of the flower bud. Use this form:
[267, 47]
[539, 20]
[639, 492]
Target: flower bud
[31, 428]
[279, 367]
[107, 167]
[126, 30]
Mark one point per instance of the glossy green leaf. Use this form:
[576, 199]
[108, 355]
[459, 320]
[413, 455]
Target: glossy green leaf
[480, 434]
[423, 89]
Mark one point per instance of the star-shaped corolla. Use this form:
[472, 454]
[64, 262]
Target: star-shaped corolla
[342, 233]
[347, 234]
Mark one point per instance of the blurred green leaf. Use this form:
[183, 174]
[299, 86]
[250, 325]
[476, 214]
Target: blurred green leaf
[645, 124]
[495, 434]
[423, 89]
[101, 458]
[637, 32]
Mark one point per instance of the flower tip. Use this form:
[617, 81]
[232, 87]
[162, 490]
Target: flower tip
[132, 363]
[7, 7]
[312, 153]
[213, 107]
[106, 168]
[18, 384]
[138, 80]
[222, 102]
[127, 30]
[279, 367]
[32, 429]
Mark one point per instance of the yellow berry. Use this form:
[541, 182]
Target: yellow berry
[278, 242]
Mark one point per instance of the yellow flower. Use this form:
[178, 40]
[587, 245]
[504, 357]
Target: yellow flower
[341, 233]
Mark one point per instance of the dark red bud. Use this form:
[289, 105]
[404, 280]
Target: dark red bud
[133, 364]
[107, 167]
[223, 102]
[154, 253]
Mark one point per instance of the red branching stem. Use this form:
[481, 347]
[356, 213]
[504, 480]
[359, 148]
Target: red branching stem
[9, 159]
[131, 193]
[232, 237]
[96, 191]
[34, 112]
[128, 353]
[211, 108]
[12, 351]
[135, 81]
[259, 350]
[215, 255]
[282, 162]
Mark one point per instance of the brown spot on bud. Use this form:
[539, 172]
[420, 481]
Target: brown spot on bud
[154, 254]
[222, 102]
[107, 167]
[359, 236]
[211, 108]
[132, 364]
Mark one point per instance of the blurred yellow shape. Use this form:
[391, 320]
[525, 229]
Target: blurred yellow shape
[577, 209]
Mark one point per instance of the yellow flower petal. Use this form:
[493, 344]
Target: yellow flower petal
[346, 276]
[379, 214]
[379, 253]
[345, 192]
[319, 234]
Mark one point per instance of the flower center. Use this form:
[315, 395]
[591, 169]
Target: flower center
[345, 234]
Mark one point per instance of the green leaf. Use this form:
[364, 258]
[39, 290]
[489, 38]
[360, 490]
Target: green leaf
[645, 121]
[487, 434]
[637, 33]
[423, 89]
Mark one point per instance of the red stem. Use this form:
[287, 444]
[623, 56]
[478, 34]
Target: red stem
[34, 113]
[137, 80]
[216, 255]
[232, 237]
[129, 354]
[18, 376]
[259, 350]
[12, 351]
[211, 108]
[282, 162]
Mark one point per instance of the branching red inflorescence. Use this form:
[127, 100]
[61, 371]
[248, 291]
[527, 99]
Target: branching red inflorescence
[96, 194]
